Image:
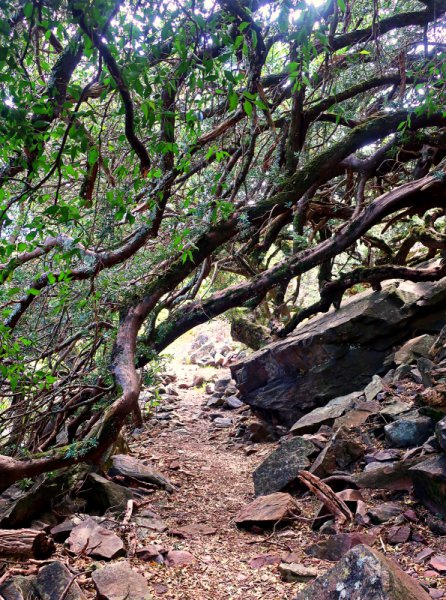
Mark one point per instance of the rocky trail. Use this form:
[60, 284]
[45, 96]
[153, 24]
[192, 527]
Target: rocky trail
[204, 502]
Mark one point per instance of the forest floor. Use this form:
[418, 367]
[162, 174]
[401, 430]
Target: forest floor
[214, 479]
[212, 472]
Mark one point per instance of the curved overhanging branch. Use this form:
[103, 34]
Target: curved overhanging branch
[425, 193]
[332, 292]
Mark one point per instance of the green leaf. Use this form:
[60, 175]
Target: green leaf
[233, 100]
[247, 107]
[93, 156]
[28, 9]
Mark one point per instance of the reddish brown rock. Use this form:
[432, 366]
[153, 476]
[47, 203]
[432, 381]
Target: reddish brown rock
[296, 572]
[193, 530]
[267, 510]
[363, 574]
[257, 562]
[117, 581]
[151, 553]
[179, 558]
[423, 555]
[334, 547]
[91, 539]
[438, 562]
[399, 535]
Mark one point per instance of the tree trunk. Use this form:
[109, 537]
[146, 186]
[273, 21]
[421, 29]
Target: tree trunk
[25, 543]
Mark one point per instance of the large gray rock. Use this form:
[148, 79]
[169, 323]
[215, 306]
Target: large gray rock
[409, 431]
[429, 479]
[281, 468]
[364, 573]
[128, 466]
[118, 581]
[440, 432]
[325, 415]
[338, 352]
[103, 494]
[52, 581]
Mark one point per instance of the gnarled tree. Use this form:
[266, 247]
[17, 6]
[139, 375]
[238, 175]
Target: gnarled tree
[163, 162]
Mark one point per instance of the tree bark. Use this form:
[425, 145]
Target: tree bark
[25, 543]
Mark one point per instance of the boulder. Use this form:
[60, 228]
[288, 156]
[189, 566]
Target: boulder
[364, 573]
[103, 494]
[92, 539]
[280, 469]
[335, 546]
[52, 581]
[118, 581]
[266, 511]
[288, 378]
[18, 508]
[429, 480]
[399, 534]
[385, 512]
[409, 431]
[341, 452]
[128, 466]
[19, 588]
[388, 475]
[440, 432]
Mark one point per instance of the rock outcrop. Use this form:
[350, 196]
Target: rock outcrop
[337, 353]
[364, 573]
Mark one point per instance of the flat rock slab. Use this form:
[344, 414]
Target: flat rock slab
[389, 476]
[146, 525]
[384, 512]
[438, 562]
[118, 581]
[179, 558]
[326, 414]
[292, 376]
[334, 547]
[267, 510]
[429, 479]
[128, 466]
[193, 530]
[364, 574]
[399, 535]
[93, 540]
[281, 468]
[53, 579]
[296, 572]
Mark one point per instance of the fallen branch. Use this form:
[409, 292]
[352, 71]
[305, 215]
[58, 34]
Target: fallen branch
[25, 543]
[326, 495]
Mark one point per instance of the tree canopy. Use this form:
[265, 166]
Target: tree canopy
[163, 162]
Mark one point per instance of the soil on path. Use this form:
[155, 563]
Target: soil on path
[214, 479]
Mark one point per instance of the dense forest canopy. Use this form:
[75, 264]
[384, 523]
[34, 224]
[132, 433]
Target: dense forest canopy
[163, 162]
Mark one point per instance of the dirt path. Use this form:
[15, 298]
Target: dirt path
[214, 477]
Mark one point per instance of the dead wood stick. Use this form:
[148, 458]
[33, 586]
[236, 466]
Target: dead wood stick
[326, 495]
[26, 543]
[128, 512]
